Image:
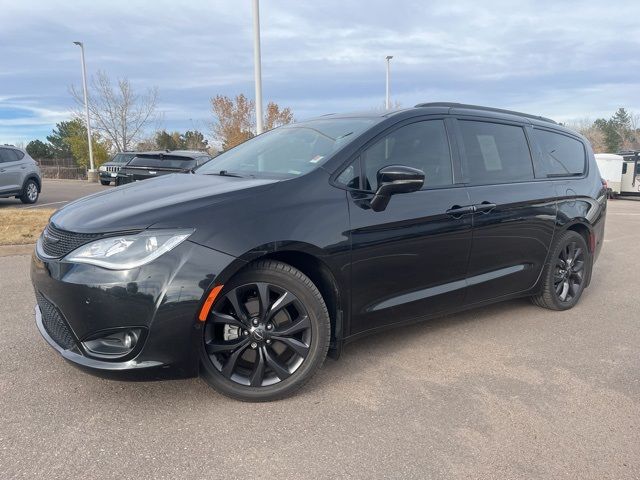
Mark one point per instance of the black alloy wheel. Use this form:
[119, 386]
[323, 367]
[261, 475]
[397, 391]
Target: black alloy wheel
[266, 334]
[566, 273]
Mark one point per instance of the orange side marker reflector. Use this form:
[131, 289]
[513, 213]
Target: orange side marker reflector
[206, 308]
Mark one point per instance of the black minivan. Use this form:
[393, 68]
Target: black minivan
[311, 235]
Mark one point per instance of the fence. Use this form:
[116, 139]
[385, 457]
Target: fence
[65, 168]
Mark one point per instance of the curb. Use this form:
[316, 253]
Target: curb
[11, 250]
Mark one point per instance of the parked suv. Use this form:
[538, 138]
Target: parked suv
[19, 175]
[314, 234]
[109, 170]
[147, 165]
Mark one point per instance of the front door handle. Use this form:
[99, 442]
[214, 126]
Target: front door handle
[458, 211]
[485, 207]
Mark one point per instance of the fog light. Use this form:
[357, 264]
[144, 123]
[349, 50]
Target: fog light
[113, 345]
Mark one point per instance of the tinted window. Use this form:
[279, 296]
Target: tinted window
[9, 155]
[350, 176]
[165, 162]
[563, 155]
[123, 157]
[496, 153]
[624, 168]
[422, 145]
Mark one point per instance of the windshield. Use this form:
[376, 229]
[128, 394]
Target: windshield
[164, 162]
[123, 157]
[291, 150]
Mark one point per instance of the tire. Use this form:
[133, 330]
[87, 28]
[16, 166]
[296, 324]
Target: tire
[293, 303]
[558, 280]
[30, 192]
[105, 182]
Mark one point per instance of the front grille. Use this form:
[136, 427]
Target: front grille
[112, 169]
[54, 323]
[57, 243]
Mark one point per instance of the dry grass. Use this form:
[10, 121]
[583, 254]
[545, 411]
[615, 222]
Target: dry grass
[21, 226]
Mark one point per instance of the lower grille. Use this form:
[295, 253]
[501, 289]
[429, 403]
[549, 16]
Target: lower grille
[54, 324]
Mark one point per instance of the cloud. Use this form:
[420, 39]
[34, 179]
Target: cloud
[559, 59]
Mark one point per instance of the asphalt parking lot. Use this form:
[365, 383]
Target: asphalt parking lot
[57, 193]
[507, 391]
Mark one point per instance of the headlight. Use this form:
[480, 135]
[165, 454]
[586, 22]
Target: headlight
[103, 169]
[128, 251]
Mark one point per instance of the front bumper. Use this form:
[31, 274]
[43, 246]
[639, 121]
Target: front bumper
[162, 297]
[108, 176]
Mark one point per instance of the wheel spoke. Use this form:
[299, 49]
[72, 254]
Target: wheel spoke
[565, 290]
[255, 380]
[280, 370]
[576, 253]
[295, 345]
[214, 347]
[228, 368]
[283, 300]
[263, 298]
[295, 327]
[578, 266]
[219, 317]
[238, 305]
[574, 288]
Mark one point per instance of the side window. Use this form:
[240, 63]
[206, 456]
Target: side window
[496, 153]
[8, 155]
[423, 145]
[3, 156]
[624, 168]
[564, 156]
[19, 154]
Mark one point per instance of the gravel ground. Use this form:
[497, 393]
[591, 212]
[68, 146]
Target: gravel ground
[507, 391]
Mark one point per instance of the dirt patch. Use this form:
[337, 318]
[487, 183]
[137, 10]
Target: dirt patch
[21, 226]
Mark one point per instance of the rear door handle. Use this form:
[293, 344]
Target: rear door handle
[485, 207]
[458, 211]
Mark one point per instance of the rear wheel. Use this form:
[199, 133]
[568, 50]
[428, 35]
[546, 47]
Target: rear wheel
[266, 335]
[565, 274]
[30, 192]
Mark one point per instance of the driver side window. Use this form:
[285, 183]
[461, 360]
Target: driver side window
[423, 145]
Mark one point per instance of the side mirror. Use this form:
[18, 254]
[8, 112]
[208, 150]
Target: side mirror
[395, 179]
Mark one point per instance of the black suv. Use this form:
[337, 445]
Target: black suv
[109, 170]
[147, 165]
[314, 234]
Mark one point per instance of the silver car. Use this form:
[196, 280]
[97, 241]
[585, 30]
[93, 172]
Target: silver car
[19, 175]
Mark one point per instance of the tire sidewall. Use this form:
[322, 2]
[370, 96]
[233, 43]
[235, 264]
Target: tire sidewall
[320, 331]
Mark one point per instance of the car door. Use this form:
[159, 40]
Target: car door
[515, 212]
[10, 170]
[409, 260]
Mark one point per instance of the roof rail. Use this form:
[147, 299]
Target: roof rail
[486, 109]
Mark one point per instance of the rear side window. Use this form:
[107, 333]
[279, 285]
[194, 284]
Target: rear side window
[10, 155]
[496, 153]
[563, 155]
[423, 145]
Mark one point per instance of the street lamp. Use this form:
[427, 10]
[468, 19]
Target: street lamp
[257, 69]
[387, 102]
[91, 174]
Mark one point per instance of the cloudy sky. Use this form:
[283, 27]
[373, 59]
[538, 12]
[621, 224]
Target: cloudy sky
[561, 59]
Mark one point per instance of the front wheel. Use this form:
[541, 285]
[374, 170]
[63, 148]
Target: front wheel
[565, 274]
[105, 182]
[266, 335]
[30, 192]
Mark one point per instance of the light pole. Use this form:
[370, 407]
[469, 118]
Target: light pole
[257, 69]
[91, 173]
[387, 102]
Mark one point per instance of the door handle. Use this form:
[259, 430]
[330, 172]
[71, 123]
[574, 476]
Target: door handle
[458, 211]
[485, 207]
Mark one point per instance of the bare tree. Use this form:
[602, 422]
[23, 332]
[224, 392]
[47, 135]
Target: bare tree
[587, 128]
[118, 112]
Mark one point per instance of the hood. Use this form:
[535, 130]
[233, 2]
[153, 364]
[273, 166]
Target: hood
[166, 199]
